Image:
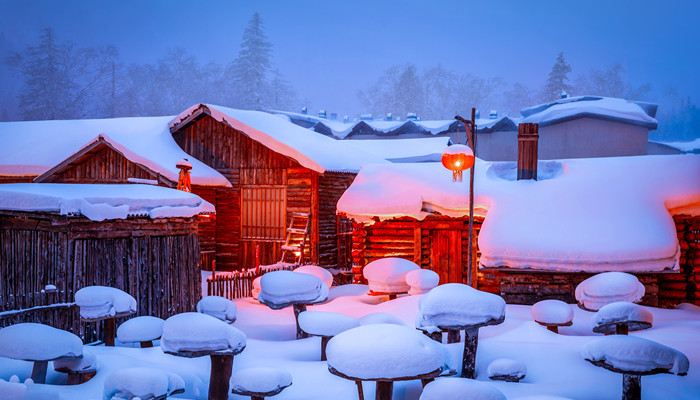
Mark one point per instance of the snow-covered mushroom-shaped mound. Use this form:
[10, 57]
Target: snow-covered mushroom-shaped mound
[97, 302]
[218, 307]
[633, 357]
[315, 270]
[621, 318]
[79, 370]
[552, 314]
[608, 287]
[388, 275]
[421, 281]
[196, 335]
[454, 306]
[143, 330]
[142, 382]
[326, 325]
[385, 353]
[380, 318]
[260, 382]
[505, 369]
[40, 344]
[542, 397]
[460, 388]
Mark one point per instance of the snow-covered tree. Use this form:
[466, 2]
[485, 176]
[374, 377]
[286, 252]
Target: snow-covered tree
[250, 72]
[558, 80]
[399, 90]
[611, 82]
[283, 95]
[519, 97]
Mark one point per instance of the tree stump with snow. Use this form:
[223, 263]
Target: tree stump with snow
[634, 357]
[259, 383]
[103, 303]
[79, 370]
[444, 308]
[552, 314]
[281, 289]
[195, 335]
[218, 307]
[143, 330]
[621, 318]
[421, 281]
[504, 369]
[326, 325]
[143, 383]
[387, 276]
[606, 288]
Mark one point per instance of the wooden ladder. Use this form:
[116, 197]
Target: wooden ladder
[296, 236]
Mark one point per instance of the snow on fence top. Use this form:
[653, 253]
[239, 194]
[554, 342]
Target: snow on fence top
[34, 147]
[100, 202]
[308, 148]
[587, 215]
[607, 108]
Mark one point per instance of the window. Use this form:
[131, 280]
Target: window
[263, 212]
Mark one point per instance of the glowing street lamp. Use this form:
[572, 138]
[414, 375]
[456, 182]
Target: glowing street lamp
[457, 158]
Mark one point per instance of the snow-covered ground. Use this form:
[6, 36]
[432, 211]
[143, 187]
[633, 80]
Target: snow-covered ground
[554, 362]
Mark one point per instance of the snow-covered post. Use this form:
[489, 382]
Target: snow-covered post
[78, 369]
[218, 307]
[445, 308]
[260, 382]
[622, 317]
[606, 288]
[143, 330]
[387, 276]
[280, 289]
[634, 357]
[552, 314]
[142, 383]
[326, 325]
[195, 335]
[99, 303]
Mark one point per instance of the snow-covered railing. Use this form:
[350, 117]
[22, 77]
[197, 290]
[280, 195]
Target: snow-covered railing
[238, 284]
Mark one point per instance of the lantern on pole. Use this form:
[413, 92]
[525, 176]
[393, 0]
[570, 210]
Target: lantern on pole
[457, 158]
[183, 180]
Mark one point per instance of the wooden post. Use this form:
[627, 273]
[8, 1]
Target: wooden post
[39, 371]
[631, 387]
[471, 340]
[385, 390]
[621, 329]
[221, 367]
[146, 344]
[360, 392]
[553, 328]
[324, 343]
[298, 309]
[452, 336]
[527, 151]
[110, 331]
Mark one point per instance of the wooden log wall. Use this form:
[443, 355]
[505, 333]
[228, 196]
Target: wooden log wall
[156, 261]
[683, 286]
[104, 165]
[331, 185]
[16, 179]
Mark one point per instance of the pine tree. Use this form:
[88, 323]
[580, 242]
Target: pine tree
[251, 69]
[558, 79]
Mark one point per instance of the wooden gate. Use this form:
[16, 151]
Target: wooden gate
[446, 255]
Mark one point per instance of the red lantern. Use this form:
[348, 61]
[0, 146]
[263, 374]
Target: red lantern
[457, 158]
[183, 181]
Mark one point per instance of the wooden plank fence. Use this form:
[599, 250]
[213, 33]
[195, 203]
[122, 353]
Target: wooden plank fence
[239, 284]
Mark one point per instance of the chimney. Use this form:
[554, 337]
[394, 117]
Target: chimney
[304, 110]
[527, 151]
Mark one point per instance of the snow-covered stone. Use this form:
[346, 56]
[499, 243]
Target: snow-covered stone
[199, 333]
[88, 363]
[506, 369]
[635, 316]
[384, 351]
[142, 382]
[631, 353]
[322, 323]
[218, 307]
[552, 312]
[37, 342]
[380, 318]
[315, 270]
[460, 388]
[456, 304]
[269, 381]
[608, 287]
[279, 289]
[140, 329]
[103, 301]
[388, 275]
[421, 281]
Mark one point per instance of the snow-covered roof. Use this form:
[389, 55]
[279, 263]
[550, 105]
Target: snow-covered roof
[582, 215]
[405, 150]
[35, 147]
[308, 148]
[99, 202]
[607, 108]
[692, 146]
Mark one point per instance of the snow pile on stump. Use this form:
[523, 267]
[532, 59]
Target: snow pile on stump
[37, 342]
[622, 317]
[218, 307]
[608, 287]
[103, 301]
[459, 388]
[195, 332]
[280, 289]
[630, 353]
[552, 314]
[380, 318]
[321, 323]
[142, 329]
[315, 270]
[388, 275]
[421, 281]
[261, 381]
[455, 304]
[505, 369]
[142, 382]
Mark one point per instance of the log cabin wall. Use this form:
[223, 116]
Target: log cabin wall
[331, 185]
[156, 261]
[250, 167]
[16, 179]
[104, 165]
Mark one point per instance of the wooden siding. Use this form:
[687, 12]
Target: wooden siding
[331, 186]
[16, 179]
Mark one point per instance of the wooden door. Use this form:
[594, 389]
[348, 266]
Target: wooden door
[446, 255]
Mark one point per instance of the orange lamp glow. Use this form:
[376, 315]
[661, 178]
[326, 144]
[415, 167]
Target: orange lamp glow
[457, 158]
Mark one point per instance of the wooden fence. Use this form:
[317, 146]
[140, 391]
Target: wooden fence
[238, 284]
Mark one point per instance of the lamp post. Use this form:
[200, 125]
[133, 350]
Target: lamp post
[458, 158]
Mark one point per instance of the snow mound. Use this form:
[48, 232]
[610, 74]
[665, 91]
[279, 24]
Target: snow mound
[421, 281]
[608, 287]
[505, 367]
[631, 353]
[218, 307]
[142, 382]
[14, 390]
[321, 323]
[554, 312]
[445, 306]
[87, 363]
[315, 270]
[380, 318]
[260, 380]
[195, 332]
[460, 388]
[384, 351]
[103, 301]
[388, 275]
[255, 292]
[622, 312]
[37, 342]
[279, 289]
[140, 329]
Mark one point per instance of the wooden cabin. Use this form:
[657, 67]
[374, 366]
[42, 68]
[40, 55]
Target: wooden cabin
[285, 183]
[55, 240]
